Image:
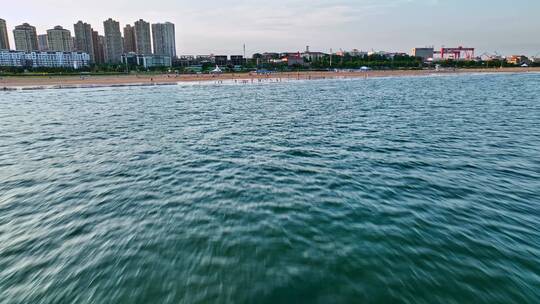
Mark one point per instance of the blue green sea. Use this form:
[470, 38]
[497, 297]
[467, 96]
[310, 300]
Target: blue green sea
[382, 190]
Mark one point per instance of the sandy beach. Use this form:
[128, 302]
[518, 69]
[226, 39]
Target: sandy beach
[40, 82]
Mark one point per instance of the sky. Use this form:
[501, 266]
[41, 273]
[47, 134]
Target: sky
[223, 26]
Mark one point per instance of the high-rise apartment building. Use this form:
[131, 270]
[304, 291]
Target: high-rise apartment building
[4, 40]
[129, 39]
[163, 36]
[43, 43]
[25, 37]
[99, 56]
[59, 39]
[113, 41]
[84, 41]
[103, 48]
[143, 42]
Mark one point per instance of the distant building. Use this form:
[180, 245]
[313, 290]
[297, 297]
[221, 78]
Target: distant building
[378, 53]
[163, 36]
[25, 37]
[293, 59]
[313, 56]
[455, 53]
[185, 61]
[143, 42]
[59, 39]
[36, 59]
[357, 53]
[267, 57]
[396, 54]
[220, 60]
[4, 40]
[279, 61]
[113, 41]
[99, 56]
[43, 44]
[491, 58]
[102, 48]
[84, 40]
[147, 61]
[238, 60]
[130, 58]
[190, 60]
[204, 58]
[424, 53]
[129, 39]
[518, 59]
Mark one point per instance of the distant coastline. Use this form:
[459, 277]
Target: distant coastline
[91, 81]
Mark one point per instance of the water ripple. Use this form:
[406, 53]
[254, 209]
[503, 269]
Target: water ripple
[402, 190]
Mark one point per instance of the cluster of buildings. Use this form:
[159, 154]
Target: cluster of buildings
[196, 62]
[151, 45]
[289, 58]
[306, 57]
[154, 45]
[464, 53]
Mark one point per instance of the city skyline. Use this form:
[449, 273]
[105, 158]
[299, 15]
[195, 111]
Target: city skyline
[393, 25]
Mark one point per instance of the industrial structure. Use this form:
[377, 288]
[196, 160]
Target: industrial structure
[457, 53]
[444, 53]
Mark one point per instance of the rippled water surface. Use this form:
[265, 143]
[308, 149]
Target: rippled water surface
[403, 190]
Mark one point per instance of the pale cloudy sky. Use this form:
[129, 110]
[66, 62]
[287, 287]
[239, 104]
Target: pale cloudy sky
[223, 26]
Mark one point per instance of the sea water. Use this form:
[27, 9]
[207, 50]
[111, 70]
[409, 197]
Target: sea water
[390, 190]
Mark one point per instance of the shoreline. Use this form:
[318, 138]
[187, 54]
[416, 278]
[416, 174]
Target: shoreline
[15, 83]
